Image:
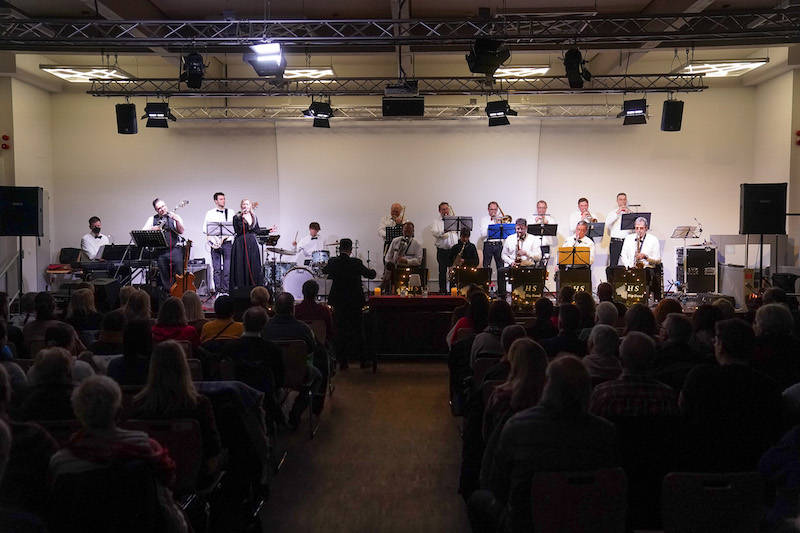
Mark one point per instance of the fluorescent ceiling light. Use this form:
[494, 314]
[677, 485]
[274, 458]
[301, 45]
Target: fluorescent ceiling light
[313, 73]
[86, 73]
[722, 67]
[521, 72]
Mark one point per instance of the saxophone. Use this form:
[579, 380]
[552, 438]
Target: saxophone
[459, 260]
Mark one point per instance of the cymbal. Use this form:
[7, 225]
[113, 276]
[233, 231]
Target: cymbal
[331, 244]
[281, 251]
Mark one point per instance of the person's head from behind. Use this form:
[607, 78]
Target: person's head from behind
[223, 307]
[27, 304]
[193, 306]
[284, 304]
[585, 304]
[544, 309]
[255, 318]
[3, 333]
[45, 306]
[605, 292]
[528, 362]
[665, 307]
[603, 340]
[125, 294]
[640, 318]
[569, 317]
[96, 402]
[113, 321]
[81, 303]
[677, 328]
[53, 366]
[346, 245]
[726, 309]
[734, 341]
[472, 288]
[59, 335]
[169, 382]
[310, 291]
[568, 386]
[637, 352]
[172, 313]
[259, 296]
[773, 320]
[606, 313]
[510, 334]
[500, 314]
[478, 311]
[137, 339]
[705, 317]
[566, 295]
[138, 306]
[774, 295]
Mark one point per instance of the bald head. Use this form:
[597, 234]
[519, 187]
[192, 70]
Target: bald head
[637, 352]
[568, 386]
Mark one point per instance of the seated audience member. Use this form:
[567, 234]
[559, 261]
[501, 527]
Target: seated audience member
[47, 398]
[101, 443]
[260, 297]
[257, 362]
[125, 294]
[12, 518]
[725, 307]
[733, 412]
[60, 335]
[193, 306]
[223, 327]
[499, 372]
[584, 301]
[774, 295]
[703, 321]
[171, 323]
[542, 326]
[310, 309]
[777, 352]
[137, 345]
[487, 342]
[665, 307]
[13, 333]
[461, 310]
[558, 434]
[602, 361]
[109, 341]
[566, 295]
[635, 392]
[169, 393]
[25, 484]
[34, 331]
[605, 313]
[567, 339]
[474, 320]
[15, 373]
[81, 312]
[605, 293]
[27, 310]
[676, 357]
[640, 318]
[138, 306]
[780, 466]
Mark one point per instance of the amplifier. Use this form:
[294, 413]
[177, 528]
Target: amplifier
[201, 280]
[696, 268]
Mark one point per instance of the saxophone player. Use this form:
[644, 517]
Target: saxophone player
[464, 253]
[640, 248]
[444, 241]
[519, 249]
[403, 251]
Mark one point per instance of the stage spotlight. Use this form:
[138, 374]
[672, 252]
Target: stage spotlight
[158, 115]
[575, 67]
[321, 112]
[193, 70]
[498, 113]
[486, 55]
[634, 111]
[267, 59]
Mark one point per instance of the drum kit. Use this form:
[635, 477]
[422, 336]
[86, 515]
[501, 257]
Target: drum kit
[288, 276]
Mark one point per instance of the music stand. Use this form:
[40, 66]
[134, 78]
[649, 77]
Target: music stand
[501, 231]
[220, 229]
[149, 238]
[453, 223]
[596, 229]
[543, 230]
[629, 220]
[574, 256]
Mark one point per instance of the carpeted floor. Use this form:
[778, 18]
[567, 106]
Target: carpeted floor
[385, 458]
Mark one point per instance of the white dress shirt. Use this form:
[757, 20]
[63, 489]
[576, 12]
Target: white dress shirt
[551, 241]
[218, 215]
[306, 248]
[530, 245]
[576, 217]
[650, 247]
[91, 244]
[441, 238]
[485, 222]
[410, 249]
[614, 223]
[585, 241]
[385, 221]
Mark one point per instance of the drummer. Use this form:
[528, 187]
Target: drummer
[308, 245]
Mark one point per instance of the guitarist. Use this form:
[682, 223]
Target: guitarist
[170, 259]
[220, 246]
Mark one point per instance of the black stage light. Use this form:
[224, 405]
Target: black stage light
[486, 55]
[267, 59]
[498, 113]
[575, 67]
[321, 112]
[158, 115]
[634, 111]
[193, 70]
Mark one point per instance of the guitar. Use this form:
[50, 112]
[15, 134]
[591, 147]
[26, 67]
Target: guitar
[184, 282]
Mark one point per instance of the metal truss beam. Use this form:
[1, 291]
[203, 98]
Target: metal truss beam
[236, 87]
[756, 27]
[434, 112]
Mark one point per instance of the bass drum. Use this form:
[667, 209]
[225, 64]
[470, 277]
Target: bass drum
[294, 279]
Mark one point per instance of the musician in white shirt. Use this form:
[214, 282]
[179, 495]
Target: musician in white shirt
[308, 244]
[581, 214]
[492, 248]
[549, 243]
[580, 239]
[444, 241]
[94, 240]
[220, 245]
[614, 227]
[640, 247]
[519, 249]
[170, 262]
[394, 218]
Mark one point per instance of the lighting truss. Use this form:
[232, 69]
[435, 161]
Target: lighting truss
[432, 112]
[234, 87]
[754, 27]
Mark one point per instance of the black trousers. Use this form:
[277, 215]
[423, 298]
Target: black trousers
[443, 258]
[614, 249]
[349, 340]
[170, 261]
[221, 263]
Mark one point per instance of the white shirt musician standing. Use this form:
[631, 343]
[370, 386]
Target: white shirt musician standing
[394, 218]
[220, 245]
[640, 247]
[581, 214]
[614, 227]
[444, 241]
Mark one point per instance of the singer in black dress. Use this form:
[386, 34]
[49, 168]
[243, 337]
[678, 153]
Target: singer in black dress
[246, 267]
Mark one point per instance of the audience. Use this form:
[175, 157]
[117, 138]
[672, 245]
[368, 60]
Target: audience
[47, 398]
[193, 306]
[15, 373]
[602, 362]
[703, 321]
[542, 326]
[109, 341]
[13, 333]
[567, 339]
[310, 309]
[640, 318]
[171, 323]
[558, 434]
[34, 331]
[27, 310]
[475, 319]
[665, 307]
[125, 293]
[223, 327]
[726, 309]
[635, 392]
[777, 352]
[260, 297]
[461, 310]
[61, 335]
[487, 342]
[584, 301]
[733, 412]
[137, 345]
[81, 312]
[499, 372]
[676, 357]
[605, 313]
[605, 293]
[138, 306]
[12, 518]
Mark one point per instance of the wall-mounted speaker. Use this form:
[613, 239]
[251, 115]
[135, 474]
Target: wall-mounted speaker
[21, 211]
[126, 119]
[762, 208]
[671, 115]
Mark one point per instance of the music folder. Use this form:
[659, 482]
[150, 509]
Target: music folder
[578, 256]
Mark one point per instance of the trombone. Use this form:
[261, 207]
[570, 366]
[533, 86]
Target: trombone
[505, 219]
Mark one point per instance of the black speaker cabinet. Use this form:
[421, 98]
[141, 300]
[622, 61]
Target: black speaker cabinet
[671, 115]
[413, 106]
[126, 119]
[762, 209]
[21, 211]
[697, 268]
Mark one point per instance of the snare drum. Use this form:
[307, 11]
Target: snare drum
[319, 258]
[280, 270]
[294, 279]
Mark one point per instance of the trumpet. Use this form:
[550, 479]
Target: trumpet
[402, 216]
[504, 219]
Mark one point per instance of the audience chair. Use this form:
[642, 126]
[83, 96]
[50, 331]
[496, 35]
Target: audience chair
[196, 369]
[593, 501]
[187, 348]
[481, 366]
[320, 334]
[295, 374]
[24, 364]
[729, 502]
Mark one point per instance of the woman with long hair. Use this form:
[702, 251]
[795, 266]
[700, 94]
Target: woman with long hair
[138, 306]
[172, 325]
[194, 310]
[246, 267]
[81, 312]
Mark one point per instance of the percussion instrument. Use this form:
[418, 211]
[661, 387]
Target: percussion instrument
[293, 281]
[280, 270]
[280, 251]
[319, 259]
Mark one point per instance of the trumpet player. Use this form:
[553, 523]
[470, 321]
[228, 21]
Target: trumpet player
[640, 248]
[614, 227]
[581, 214]
[492, 248]
[394, 218]
[519, 249]
[444, 241]
[464, 253]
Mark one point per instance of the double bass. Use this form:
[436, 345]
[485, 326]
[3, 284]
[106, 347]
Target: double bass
[184, 282]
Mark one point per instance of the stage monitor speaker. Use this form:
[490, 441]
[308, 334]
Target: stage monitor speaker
[412, 106]
[671, 115]
[126, 119]
[21, 211]
[106, 294]
[762, 209]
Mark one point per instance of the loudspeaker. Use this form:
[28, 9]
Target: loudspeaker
[21, 211]
[762, 209]
[412, 106]
[126, 119]
[671, 115]
[106, 294]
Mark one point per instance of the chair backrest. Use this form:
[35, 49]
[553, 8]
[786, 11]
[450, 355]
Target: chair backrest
[196, 369]
[187, 348]
[295, 367]
[579, 501]
[319, 329]
[480, 367]
[181, 437]
[729, 502]
[61, 430]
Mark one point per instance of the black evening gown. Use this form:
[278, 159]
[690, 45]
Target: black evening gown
[246, 267]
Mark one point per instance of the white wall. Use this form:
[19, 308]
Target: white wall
[772, 140]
